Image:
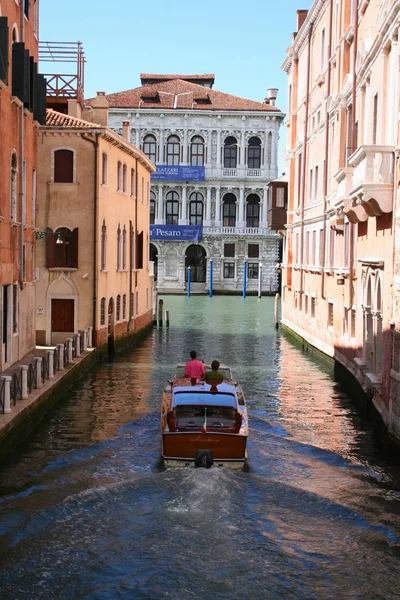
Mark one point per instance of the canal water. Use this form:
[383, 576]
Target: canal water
[86, 514]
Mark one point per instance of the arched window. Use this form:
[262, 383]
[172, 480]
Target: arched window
[230, 153]
[124, 249]
[132, 182]
[118, 307]
[103, 311]
[254, 153]
[63, 166]
[253, 211]
[150, 147]
[196, 209]
[229, 210]
[172, 208]
[269, 148]
[152, 208]
[13, 187]
[66, 247]
[119, 248]
[104, 168]
[103, 246]
[119, 176]
[197, 151]
[124, 307]
[173, 150]
[124, 179]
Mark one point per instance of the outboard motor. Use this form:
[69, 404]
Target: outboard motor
[204, 459]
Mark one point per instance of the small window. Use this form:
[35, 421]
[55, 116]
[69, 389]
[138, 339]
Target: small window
[66, 247]
[124, 307]
[63, 166]
[15, 308]
[119, 176]
[119, 248]
[280, 197]
[27, 8]
[253, 251]
[312, 307]
[172, 208]
[104, 169]
[103, 246]
[197, 151]
[330, 314]
[229, 250]
[150, 147]
[254, 153]
[252, 271]
[103, 311]
[132, 182]
[152, 208]
[305, 304]
[118, 307]
[13, 187]
[124, 249]
[137, 303]
[353, 323]
[253, 211]
[230, 153]
[196, 209]
[131, 307]
[124, 179]
[229, 270]
[173, 150]
[229, 210]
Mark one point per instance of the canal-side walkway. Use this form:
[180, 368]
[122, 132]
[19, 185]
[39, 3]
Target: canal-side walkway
[32, 385]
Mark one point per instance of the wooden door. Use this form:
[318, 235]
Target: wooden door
[62, 315]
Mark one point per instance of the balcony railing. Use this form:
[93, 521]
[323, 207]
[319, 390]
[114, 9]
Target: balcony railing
[229, 173]
[247, 231]
[253, 172]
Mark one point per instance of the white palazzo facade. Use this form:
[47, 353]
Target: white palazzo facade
[180, 121]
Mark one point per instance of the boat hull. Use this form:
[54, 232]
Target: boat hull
[182, 447]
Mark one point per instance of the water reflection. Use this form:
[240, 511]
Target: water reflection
[85, 514]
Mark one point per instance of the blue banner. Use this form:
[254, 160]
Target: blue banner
[176, 233]
[178, 173]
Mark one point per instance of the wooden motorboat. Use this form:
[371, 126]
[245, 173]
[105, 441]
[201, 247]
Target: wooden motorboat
[204, 423]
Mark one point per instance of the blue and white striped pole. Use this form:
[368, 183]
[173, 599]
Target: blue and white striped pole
[189, 277]
[259, 280]
[211, 278]
[244, 278]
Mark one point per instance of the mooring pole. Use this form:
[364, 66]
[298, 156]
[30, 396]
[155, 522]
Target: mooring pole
[189, 275]
[211, 277]
[160, 312]
[167, 318]
[259, 280]
[244, 278]
[276, 311]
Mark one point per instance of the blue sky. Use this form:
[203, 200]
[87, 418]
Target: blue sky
[242, 43]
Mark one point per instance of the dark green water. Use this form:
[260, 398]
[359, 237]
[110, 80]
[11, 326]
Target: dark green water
[85, 514]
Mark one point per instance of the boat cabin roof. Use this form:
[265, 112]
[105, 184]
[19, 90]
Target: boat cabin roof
[202, 395]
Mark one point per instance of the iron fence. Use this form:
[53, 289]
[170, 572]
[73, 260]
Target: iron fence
[32, 381]
[16, 387]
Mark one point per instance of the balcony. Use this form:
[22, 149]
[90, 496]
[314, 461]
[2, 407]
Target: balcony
[277, 218]
[253, 173]
[372, 184]
[229, 172]
[242, 231]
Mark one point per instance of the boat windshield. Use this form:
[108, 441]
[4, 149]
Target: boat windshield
[204, 399]
[180, 371]
[192, 418]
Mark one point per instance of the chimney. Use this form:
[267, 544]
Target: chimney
[100, 109]
[126, 126]
[271, 96]
[74, 109]
[301, 17]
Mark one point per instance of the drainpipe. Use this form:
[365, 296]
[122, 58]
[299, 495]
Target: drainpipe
[304, 165]
[95, 218]
[328, 93]
[353, 145]
[22, 168]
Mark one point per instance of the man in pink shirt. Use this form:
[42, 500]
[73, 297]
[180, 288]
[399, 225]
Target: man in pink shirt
[194, 368]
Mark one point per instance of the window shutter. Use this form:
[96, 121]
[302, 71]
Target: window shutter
[74, 248]
[20, 72]
[32, 83]
[39, 111]
[4, 49]
[50, 249]
[139, 250]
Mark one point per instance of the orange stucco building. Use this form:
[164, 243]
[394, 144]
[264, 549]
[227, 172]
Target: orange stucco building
[94, 268]
[22, 105]
[340, 273]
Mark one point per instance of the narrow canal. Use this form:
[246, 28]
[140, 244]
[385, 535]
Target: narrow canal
[85, 514]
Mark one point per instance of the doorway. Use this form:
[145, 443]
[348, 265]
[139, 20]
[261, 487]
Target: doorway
[197, 261]
[62, 319]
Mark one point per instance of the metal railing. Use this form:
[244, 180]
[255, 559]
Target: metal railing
[16, 387]
[2, 394]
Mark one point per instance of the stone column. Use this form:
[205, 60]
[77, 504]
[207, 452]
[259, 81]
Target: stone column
[209, 148]
[24, 377]
[207, 222]
[78, 343]
[90, 337]
[218, 206]
[240, 222]
[219, 162]
[69, 350]
[161, 144]
[7, 393]
[274, 150]
[50, 358]
[242, 162]
[60, 350]
[183, 220]
[185, 142]
[160, 208]
[38, 371]
[84, 340]
[264, 218]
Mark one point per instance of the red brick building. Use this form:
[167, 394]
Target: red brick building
[22, 107]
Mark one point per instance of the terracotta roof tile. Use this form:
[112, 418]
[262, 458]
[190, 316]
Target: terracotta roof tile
[178, 94]
[57, 119]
